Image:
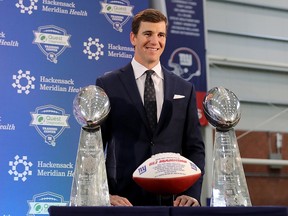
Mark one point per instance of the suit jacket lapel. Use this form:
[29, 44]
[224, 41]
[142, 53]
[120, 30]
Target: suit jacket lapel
[128, 80]
[166, 112]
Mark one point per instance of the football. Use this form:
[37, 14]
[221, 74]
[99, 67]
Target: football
[166, 173]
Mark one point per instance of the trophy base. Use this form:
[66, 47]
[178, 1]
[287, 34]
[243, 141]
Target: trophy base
[229, 182]
[90, 186]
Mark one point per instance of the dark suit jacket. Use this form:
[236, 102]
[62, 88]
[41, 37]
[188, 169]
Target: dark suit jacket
[130, 140]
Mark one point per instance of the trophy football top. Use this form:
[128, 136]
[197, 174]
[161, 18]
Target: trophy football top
[222, 108]
[91, 106]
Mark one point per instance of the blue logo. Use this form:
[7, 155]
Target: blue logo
[185, 63]
[193, 166]
[142, 170]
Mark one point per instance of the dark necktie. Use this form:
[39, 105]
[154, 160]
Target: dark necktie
[150, 100]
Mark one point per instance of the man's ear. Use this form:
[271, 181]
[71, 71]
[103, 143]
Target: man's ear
[132, 38]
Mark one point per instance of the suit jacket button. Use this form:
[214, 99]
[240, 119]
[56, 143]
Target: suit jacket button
[152, 144]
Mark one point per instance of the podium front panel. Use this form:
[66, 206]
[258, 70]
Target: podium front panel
[108, 211]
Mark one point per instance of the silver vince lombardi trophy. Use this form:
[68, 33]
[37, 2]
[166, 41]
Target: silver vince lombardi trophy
[89, 187]
[229, 187]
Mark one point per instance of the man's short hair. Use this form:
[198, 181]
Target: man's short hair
[147, 15]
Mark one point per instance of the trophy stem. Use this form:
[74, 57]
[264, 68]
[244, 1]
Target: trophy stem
[229, 184]
[90, 186]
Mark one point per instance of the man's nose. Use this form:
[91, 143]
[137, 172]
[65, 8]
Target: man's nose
[154, 39]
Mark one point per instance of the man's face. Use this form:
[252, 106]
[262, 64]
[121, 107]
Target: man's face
[149, 43]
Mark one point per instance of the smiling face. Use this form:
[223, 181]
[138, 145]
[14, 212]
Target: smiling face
[149, 43]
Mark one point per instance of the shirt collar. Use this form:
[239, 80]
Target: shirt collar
[139, 69]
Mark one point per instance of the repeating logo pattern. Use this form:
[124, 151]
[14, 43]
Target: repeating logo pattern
[43, 45]
[93, 48]
[41, 202]
[50, 122]
[117, 12]
[52, 41]
[23, 82]
[20, 168]
[29, 9]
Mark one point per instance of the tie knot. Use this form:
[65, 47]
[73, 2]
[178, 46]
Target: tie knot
[149, 73]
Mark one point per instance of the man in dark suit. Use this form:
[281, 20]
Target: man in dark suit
[130, 137]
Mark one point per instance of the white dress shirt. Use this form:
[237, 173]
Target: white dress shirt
[158, 80]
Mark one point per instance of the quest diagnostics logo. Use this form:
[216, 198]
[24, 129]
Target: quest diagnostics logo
[27, 6]
[23, 82]
[50, 122]
[52, 41]
[40, 203]
[117, 12]
[20, 168]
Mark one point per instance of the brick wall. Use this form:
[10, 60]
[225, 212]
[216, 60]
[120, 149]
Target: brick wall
[267, 186]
